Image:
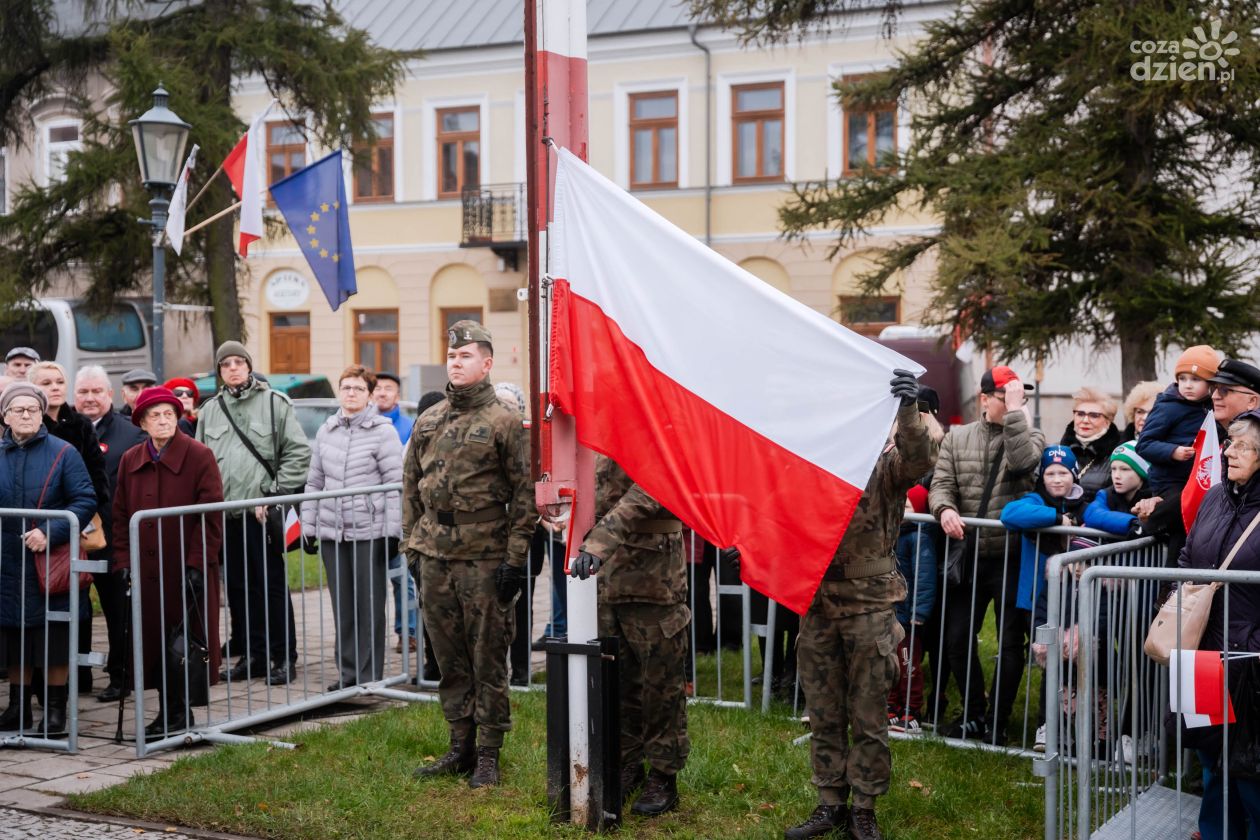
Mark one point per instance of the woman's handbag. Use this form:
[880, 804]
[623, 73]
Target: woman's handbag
[187, 652]
[52, 566]
[93, 536]
[1190, 611]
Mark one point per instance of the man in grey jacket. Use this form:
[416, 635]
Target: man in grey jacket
[1003, 448]
[261, 451]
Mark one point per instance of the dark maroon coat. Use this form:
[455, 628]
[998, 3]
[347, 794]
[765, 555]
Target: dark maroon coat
[186, 474]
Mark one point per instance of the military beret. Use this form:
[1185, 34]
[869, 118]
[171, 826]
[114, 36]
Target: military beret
[1234, 372]
[466, 332]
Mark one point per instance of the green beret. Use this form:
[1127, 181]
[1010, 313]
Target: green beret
[466, 332]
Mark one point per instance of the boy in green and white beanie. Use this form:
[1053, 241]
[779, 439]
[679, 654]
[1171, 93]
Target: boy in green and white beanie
[1112, 508]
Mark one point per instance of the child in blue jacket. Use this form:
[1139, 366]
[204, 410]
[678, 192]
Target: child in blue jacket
[1112, 509]
[1167, 439]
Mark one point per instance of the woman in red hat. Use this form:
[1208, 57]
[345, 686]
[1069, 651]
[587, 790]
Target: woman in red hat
[177, 556]
[189, 396]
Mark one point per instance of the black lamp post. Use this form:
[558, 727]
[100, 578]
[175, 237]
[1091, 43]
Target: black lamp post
[160, 138]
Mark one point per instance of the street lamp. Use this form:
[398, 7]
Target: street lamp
[160, 138]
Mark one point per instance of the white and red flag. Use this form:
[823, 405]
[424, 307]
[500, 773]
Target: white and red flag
[1206, 473]
[754, 418]
[292, 528]
[245, 169]
[179, 204]
[1197, 688]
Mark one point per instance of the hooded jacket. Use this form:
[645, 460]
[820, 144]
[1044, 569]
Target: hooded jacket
[357, 451]
[1173, 422]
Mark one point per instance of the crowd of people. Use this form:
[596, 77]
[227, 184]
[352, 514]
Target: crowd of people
[466, 528]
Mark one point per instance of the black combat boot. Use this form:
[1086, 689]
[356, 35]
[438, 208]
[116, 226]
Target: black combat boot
[487, 772]
[54, 723]
[824, 820]
[632, 777]
[18, 716]
[660, 794]
[458, 761]
[862, 825]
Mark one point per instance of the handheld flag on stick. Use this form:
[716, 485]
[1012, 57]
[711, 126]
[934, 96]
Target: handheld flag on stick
[1197, 688]
[672, 360]
[244, 168]
[1206, 473]
[292, 528]
[179, 202]
[313, 201]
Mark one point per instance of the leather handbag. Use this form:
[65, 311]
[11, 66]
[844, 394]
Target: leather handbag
[93, 536]
[188, 656]
[1190, 611]
[52, 566]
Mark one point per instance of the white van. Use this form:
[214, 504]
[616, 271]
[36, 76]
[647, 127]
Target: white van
[65, 331]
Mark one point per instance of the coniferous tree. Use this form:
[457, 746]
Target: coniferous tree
[326, 74]
[1093, 165]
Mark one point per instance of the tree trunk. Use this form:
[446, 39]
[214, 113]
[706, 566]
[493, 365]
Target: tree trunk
[225, 321]
[1137, 354]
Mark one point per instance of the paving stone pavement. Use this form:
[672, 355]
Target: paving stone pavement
[34, 783]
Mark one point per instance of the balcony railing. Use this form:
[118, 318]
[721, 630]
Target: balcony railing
[495, 216]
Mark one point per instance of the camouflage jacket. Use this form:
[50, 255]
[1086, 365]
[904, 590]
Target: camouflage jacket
[466, 454]
[872, 533]
[638, 567]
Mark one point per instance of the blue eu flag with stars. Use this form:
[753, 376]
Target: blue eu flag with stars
[313, 201]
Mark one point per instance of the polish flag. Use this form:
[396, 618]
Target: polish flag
[754, 418]
[1206, 473]
[292, 528]
[1197, 688]
[244, 168]
[178, 209]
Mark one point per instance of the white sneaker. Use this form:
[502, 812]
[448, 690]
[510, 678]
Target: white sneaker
[910, 725]
[1126, 751]
[1039, 742]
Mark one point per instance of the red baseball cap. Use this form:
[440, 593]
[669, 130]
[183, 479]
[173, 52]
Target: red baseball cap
[996, 378]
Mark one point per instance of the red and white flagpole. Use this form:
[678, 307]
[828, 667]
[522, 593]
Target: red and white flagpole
[556, 110]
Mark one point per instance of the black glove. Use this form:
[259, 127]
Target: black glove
[1135, 529]
[196, 581]
[730, 555]
[391, 547]
[905, 386]
[585, 565]
[310, 545]
[508, 581]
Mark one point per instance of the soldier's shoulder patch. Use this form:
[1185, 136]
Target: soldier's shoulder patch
[479, 434]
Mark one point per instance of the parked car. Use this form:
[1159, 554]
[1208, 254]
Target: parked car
[313, 411]
[296, 385]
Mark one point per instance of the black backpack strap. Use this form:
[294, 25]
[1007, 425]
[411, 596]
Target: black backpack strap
[271, 471]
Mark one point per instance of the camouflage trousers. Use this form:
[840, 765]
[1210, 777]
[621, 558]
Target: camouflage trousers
[470, 631]
[652, 674]
[847, 661]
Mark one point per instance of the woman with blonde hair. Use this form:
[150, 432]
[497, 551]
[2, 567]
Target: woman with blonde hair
[1138, 405]
[1092, 436]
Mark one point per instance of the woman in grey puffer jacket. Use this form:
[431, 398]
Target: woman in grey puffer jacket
[356, 535]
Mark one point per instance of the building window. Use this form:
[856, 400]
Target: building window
[62, 140]
[376, 338]
[654, 139]
[374, 171]
[757, 132]
[869, 315]
[459, 150]
[286, 150]
[870, 137]
[291, 342]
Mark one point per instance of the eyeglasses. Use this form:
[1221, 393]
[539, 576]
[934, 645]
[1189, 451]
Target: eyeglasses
[1092, 415]
[1240, 448]
[182, 392]
[1225, 391]
[350, 389]
[24, 412]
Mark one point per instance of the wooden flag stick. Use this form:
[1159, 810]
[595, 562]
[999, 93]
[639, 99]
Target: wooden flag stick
[213, 218]
[203, 189]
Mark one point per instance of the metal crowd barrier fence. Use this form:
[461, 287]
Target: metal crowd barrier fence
[32, 644]
[290, 657]
[1114, 788]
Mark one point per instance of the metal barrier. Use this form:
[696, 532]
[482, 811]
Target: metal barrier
[1130, 789]
[293, 658]
[38, 675]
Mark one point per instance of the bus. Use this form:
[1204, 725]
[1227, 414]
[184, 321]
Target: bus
[64, 330]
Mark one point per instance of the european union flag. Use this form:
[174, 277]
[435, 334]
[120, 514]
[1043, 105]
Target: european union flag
[313, 201]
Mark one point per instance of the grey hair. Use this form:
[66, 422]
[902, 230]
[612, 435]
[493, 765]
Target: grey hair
[1247, 427]
[92, 372]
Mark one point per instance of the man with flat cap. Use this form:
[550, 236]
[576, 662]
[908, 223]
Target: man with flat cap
[468, 515]
[1235, 389]
[133, 382]
[18, 361]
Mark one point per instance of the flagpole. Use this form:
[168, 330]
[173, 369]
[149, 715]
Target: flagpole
[213, 218]
[204, 187]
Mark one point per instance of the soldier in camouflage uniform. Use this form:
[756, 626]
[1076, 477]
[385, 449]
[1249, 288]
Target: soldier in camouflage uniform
[847, 651]
[468, 514]
[642, 594]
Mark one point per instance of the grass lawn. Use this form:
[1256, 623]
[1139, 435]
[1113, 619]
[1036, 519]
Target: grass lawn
[743, 779]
